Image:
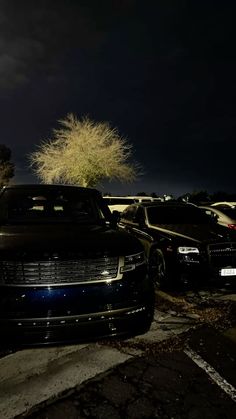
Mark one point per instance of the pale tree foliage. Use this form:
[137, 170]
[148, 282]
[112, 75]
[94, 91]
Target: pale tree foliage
[84, 152]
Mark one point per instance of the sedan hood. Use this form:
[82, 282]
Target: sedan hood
[76, 238]
[199, 233]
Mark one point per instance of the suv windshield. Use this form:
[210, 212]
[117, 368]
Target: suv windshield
[177, 215]
[52, 205]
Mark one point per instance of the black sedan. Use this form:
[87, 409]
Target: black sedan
[66, 272]
[183, 245]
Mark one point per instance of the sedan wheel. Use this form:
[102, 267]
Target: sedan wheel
[157, 268]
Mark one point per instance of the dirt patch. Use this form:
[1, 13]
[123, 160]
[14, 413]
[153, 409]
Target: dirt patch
[205, 309]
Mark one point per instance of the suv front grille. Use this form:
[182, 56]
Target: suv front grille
[52, 272]
[222, 254]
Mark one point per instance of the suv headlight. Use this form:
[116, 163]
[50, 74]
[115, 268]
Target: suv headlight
[185, 250]
[132, 261]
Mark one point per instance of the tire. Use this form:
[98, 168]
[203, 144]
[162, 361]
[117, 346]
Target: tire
[157, 269]
[145, 324]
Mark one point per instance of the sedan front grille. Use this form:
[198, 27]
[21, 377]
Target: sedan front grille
[52, 272]
[222, 254]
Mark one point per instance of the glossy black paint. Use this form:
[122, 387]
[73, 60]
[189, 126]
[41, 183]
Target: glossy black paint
[193, 269]
[55, 313]
[46, 301]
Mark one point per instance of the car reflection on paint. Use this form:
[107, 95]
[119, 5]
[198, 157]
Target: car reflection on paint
[66, 272]
[183, 245]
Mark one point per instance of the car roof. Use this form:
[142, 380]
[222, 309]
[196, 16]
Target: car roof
[49, 186]
[229, 204]
[117, 197]
[160, 204]
[131, 197]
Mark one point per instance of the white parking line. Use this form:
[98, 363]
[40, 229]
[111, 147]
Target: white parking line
[213, 374]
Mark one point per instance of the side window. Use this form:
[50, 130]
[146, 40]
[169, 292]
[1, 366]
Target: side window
[220, 206]
[139, 216]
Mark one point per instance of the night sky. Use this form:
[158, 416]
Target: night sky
[163, 72]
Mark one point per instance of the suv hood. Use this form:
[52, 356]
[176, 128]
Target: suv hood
[68, 237]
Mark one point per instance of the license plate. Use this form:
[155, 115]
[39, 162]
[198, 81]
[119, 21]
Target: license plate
[228, 272]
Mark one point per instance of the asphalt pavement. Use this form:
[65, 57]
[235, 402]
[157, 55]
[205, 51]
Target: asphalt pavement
[184, 367]
[190, 382]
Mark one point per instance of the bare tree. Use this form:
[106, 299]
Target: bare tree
[6, 166]
[84, 152]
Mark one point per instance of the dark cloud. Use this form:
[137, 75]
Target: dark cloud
[39, 38]
[17, 57]
[162, 72]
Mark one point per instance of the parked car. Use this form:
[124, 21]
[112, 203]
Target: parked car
[66, 273]
[225, 215]
[183, 245]
[224, 204]
[119, 203]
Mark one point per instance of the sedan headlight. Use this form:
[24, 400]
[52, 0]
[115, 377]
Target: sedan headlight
[185, 250]
[132, 261]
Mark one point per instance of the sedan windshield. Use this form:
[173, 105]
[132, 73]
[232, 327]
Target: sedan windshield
[25, 206]
[230, 212]
[177, 215]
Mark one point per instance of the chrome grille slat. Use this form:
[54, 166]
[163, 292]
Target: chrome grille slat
[222, 254]
[58, 271]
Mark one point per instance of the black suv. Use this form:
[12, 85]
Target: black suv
[182, 243]
[66, 272]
